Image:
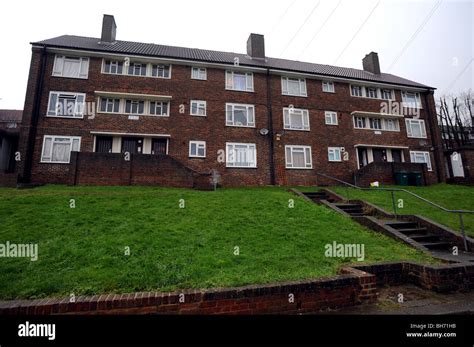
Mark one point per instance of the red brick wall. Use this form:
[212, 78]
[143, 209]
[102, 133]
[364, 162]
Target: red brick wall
[352, 288]
[112, 169]
[183, 128]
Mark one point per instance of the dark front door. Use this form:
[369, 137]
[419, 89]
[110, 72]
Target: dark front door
[132, 145]
[397, 155]
[158, 146]
[379, 155]
[103, 144]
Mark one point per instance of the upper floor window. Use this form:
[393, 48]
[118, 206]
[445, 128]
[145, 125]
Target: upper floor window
[159, 108]
[75, 67]
[198, 73]
[356, 90]
[134, 106]
[109, 105]
[113, 67]
[243, 155]
[421, 157]
[373, 123]
[161, 71]
[65, 104]
[293, 86]
[240, 115]
[411, 100]
[198, 108]
[298, 157]
[328, 87]
[330, 117]
[387, 94]
[372, 93]
[416, 128]
[57, 149]
[137, 69]
[242, 81]
[295, 119]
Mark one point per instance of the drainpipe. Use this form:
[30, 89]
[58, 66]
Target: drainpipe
[34, 121]
[270, 129]
[434, 138]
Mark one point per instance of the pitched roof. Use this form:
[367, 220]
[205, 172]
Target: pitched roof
[11, 115]
[194, 54]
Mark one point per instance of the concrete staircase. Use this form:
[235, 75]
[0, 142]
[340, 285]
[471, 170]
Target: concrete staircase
[416, 231]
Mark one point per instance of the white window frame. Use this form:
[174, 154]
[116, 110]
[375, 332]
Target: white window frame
[392, 93]
[408, 123]
[383, 124]
[132, 64]
[199, 145]
[199, 103]
[285, 90]
[426, 156]
[78, 114]
[107, 98]
[198, 76]
[157, 73]
[58, 67]
[288, 112]
[229, 81]
[361, 90]
[367, 91]
[232, 122]
[407, 104]
[337, 153]
[104, 71]
[250, 147]
[307, 158]
[50, 152]
[148, 108]
[332, 116]
[329, 87]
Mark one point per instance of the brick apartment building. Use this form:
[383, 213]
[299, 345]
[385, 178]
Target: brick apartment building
[104, 111]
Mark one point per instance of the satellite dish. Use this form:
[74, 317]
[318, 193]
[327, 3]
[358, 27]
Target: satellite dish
[263, 131]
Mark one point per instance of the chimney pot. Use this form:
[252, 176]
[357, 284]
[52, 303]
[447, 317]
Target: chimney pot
[109, 29]
[371, 63]
[256, 46]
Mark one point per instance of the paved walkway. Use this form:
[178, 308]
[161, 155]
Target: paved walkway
[415, 301]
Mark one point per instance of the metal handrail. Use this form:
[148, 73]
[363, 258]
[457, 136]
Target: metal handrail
[392, 190]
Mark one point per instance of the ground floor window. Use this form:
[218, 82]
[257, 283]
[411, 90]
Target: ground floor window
[334, 154]
[421, 157]
[242, 155]
[298, 157]
[57, 149]
[197, 149]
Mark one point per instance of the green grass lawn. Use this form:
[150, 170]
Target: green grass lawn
[447, 195]
[82, 249]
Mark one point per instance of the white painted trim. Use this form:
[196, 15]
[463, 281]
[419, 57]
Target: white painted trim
[197, 149]
[132, 95]
[304, 152]
[128, 134]
[380, 146]
[72, 138]
[242, 144]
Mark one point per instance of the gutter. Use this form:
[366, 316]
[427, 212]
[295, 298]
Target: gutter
[270, 129]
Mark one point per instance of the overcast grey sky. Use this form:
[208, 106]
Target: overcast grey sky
[427, 41]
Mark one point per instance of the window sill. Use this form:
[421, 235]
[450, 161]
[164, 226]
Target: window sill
[307, 130]
[64, 117]
[299, 168]
[74, 78]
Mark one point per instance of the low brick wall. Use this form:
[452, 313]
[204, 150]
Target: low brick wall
[356, 285]
[7, 179]
[384, 173]
[353, 287]
[87, 168]
[443, 278]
